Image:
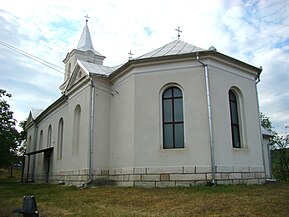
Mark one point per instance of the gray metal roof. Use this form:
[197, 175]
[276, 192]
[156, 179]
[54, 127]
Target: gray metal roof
[85, 42]
[97, 68]
[36, 112]
[173, 48]
[176, 47]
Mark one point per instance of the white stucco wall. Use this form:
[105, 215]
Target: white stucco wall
[121, 149]
[69, 160]
[101, 133]
[31, 146]
[151, 81]
[267, 157]
[127, 129]
[222, 78]
[136, 124]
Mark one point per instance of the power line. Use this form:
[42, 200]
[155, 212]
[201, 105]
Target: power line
[35, 58]
[48, 64]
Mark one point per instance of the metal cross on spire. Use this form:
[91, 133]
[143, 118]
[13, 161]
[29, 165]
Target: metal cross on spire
[179, 31]
[87, 17]
[130, 55]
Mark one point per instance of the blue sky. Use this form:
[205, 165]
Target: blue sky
[256, 32]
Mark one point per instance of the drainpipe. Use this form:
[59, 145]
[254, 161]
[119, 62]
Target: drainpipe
[212, 150]
[91, 129]
[257, 80]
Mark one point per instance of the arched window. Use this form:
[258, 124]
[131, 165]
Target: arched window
[60, 139]
[49, 136]
[76, 129]
[41, 140]
[29, 143]
[173, 122]
[235, 124]
[69, 70]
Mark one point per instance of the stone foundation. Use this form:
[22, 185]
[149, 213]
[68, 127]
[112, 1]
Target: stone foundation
[159, 176]
[73, 177]
[185, 176]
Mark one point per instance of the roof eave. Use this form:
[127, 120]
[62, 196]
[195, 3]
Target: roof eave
[206, 53]
[233, 60]
[56, 103]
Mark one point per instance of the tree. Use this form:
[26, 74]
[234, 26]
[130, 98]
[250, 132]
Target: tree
[280, 162]
[280, 151]
[8, 133]
[22, 138]
[23, 133]
[265, 122]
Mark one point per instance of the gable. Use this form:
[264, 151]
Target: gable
[78, 74]
[29, 119]
[33, 114]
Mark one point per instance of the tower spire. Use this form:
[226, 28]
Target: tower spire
[85, 42]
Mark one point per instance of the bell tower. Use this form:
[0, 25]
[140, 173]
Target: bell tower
[84, 51]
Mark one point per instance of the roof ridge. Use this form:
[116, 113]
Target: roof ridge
[160, 49]
[178, 41]
[185, 44]
[173, 48]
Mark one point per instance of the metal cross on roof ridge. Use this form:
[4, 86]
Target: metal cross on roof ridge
[87, 17]
[179, 31]
[130, 55]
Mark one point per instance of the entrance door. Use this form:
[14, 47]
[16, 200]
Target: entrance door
[46, 165]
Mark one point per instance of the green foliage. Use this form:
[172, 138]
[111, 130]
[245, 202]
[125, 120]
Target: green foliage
[280, 151]
[22, 138]
[8, 133]
[23, 133]
[265, 122]
[280, 158]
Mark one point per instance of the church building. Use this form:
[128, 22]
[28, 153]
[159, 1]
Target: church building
[179, 115]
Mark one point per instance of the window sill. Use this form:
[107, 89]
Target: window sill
[241, 149]
[173, 149]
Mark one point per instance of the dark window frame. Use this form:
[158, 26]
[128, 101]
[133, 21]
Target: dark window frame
[60, 139]
[235, 123]
[173, 122]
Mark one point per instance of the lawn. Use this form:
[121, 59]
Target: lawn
[53, 200]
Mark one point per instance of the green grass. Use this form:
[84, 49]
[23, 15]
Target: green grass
[53, 200]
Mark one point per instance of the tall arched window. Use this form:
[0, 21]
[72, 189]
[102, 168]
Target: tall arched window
[76, 129]
[49, 136]
[41, 140]
[60, 139]
[235, 124]
[29, 144]
[173, 122]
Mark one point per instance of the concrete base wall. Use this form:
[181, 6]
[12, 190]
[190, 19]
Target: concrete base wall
[185, 176]
[159, 176]
[73, 177]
